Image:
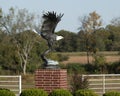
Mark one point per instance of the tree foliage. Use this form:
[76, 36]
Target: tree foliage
[89, 26]
[14, 25]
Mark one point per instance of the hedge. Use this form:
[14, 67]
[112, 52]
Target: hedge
[85, 92]
[6, 92]
[33, 92]
[60, 92]
[112, 93]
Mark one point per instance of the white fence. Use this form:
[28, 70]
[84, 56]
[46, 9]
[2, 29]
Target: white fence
[11, 82]
[102, 83]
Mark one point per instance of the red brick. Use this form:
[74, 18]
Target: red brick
[49, 79]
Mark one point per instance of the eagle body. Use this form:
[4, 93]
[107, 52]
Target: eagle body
[50, 21]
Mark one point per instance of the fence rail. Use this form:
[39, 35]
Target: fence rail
[11, 82]
[101, 83]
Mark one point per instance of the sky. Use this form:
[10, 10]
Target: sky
[72, 9]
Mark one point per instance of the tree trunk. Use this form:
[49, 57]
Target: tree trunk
[25, 59]
[88, 57]
[24, 69]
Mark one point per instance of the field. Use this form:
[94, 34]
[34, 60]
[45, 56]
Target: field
[83, 59]
[80, 57]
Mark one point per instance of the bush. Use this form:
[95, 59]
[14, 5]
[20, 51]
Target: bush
[4, 89]
[6, 92]
[78, 82]
[62, 57]
[33, 92]
[60, 92]
[100, 64]
[112, 93]
[75, 67]
[114, 68]
[85, 93]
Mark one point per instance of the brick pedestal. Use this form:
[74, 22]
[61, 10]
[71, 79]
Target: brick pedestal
[49, 79]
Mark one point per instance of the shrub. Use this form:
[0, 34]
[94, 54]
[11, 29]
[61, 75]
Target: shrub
[100, 64]
[78, 82]
[62, 57]
[60, 92]
[33, 92]
[85, 93]
[75, 67]
[90, 68]
[114, 67]
[112, 93]
[4, 89]
[6, 92]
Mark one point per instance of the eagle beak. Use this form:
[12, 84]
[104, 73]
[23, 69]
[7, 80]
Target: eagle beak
[34, 31]
[59, 38]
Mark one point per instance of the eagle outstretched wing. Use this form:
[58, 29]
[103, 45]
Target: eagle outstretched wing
[50, 21]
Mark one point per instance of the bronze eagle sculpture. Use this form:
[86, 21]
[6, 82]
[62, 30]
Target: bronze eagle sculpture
[47, 31]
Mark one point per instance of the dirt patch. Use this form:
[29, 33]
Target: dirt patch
[83, 59]
[112, 58]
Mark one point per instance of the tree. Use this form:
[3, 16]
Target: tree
[115, 21]
[14, 23]
[113, 38]
[24, 46]
[69, 43]
[114, 30]
[8, 56]
[89, 26]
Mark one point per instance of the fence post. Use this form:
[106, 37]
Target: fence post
[20, 84]
[82, 77]
[103, 83]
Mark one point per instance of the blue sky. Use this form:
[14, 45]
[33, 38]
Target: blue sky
[72, 9]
